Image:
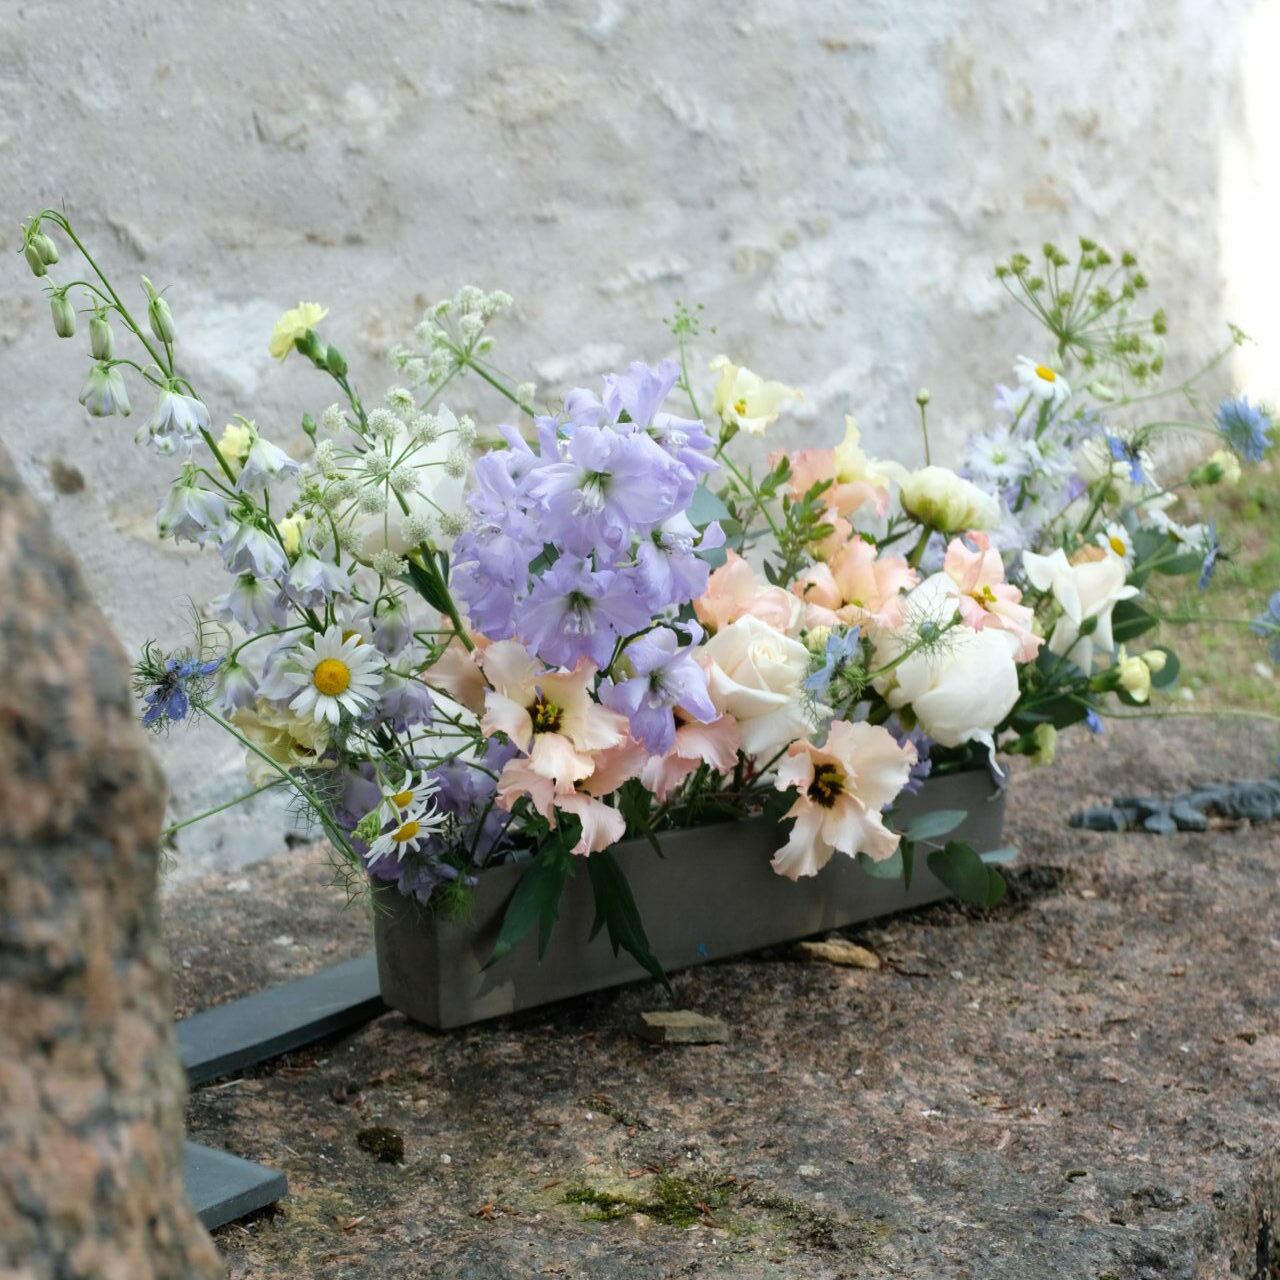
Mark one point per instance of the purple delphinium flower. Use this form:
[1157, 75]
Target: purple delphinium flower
[917, 737]
[608, 487]
[404, 701]
[666, 677]
[1212, 553]
[254, 604]
[668, 572]
[1245, 427]
[1267, 625]
[247, 549]
[313, 582]
[575, 611]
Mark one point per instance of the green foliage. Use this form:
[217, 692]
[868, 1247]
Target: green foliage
[962, 869]
[536, 899]
[616, 911]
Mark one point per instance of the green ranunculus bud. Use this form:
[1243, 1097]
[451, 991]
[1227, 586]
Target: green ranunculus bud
[64, 315]
[922, 397]
[161, 319]
[335, 362]
[45, 247]
[101, 339]
[34, 260]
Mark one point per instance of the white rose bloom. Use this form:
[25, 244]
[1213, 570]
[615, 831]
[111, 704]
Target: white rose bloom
[1087, 590]
[959, 690]
[756, 674]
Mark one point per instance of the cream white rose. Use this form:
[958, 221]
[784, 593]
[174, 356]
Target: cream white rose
[1083, 591]
[936, 496]
[960, 690]
[756, 675]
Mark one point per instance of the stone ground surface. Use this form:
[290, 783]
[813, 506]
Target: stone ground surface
[1082, 1084]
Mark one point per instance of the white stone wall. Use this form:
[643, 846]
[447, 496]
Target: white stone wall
[832, 180]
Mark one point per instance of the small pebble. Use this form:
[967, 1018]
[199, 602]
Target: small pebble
[446, 1159]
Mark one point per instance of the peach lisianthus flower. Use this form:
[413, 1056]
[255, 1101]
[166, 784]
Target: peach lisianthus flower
[549, 715]
[856, 587]
[733, 592]
[856, 480]
[842, 788]
[986, 599]
[456, 673]
[715, 744]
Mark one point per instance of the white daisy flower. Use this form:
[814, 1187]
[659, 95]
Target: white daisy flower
[406, 836]
[1041, 381]
[332, 675]
[412, 797]
[1117, 539]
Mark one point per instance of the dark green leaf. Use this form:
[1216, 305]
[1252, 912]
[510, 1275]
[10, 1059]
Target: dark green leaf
[426, 582]
[616, 910]
[1129, 620]
[963, 871]
[941, 822]
[908, 852]
[536, 898]
[1188, 562]
[889, 868]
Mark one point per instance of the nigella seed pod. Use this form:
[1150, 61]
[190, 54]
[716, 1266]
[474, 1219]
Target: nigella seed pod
[34, 260]
[101, 339]
[45, 247]
[161, 319]
[64, 315]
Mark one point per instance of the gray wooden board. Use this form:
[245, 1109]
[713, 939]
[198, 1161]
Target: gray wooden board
[243, 1032]
[224, 1187]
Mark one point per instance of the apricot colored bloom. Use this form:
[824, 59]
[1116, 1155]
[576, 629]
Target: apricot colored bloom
[733, 592]
[744, 400]
[841, 789]
[293, 325]
[855, 587]
[856, 480]
[986, 599]
[715, 744]
[549, 715]
[456, 673]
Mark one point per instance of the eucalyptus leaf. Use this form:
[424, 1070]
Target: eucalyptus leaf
[940, 822]
[961, 869]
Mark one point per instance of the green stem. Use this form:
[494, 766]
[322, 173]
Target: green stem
[209, 813]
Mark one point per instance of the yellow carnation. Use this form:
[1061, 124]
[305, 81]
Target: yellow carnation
[293, 324]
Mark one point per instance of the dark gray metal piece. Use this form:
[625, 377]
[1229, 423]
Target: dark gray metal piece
[223, 1187]
[1256, 801]
[712, 895]
[243, 1032]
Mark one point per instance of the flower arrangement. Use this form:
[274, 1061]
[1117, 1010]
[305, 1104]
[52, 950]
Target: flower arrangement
[460, 645]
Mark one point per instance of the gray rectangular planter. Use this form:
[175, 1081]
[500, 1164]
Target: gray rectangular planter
[712, 894]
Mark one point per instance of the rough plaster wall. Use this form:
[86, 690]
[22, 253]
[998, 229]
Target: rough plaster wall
[833, 180]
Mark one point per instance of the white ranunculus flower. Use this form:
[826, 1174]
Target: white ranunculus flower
[756, 675]
[959, 690]
[936, 496]
[1083, 591]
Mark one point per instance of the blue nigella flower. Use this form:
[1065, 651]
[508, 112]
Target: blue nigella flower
[1123, 451]
[170, 687]
[842, 648]
[1094, 721]
[1268, 625]
[1212, 550]
[1245, 427]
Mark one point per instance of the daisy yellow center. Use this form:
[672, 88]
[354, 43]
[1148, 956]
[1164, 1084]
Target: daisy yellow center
[406, 832]
[1117, 545]
[349, 634]
[402, 799]
[827, 785]
[331, 676]
[740, 406]
[545, 715]
[1043, 371]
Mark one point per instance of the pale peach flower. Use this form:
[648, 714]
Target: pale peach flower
[457, 674]
[986, 599]
[733, 592]
[856, 480]
[856, 587]
[549, 714]
[715, 744]
[841, 789]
